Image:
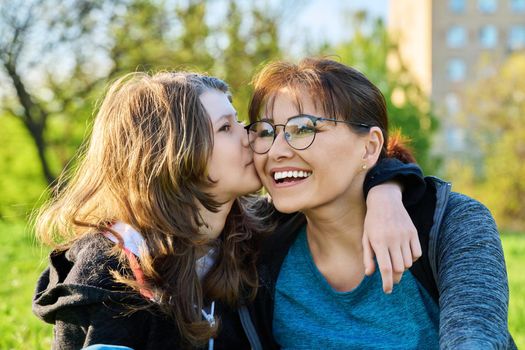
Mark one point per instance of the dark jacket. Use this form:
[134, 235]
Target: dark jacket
[462, 268]
[79, 296]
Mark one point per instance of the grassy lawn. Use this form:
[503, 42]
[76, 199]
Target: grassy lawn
[514, 248]
[22, 260]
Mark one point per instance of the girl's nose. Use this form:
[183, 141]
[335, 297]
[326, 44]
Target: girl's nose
[243, 134]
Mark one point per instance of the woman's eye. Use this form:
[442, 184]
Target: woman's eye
[306, 129]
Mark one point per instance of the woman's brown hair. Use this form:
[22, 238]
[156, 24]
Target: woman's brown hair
[146, 164]
[339, 91]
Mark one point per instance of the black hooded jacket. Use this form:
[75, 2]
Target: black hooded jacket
[78, 294]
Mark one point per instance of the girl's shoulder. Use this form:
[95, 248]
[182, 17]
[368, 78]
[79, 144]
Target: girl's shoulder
[79, 276]
[89, 261]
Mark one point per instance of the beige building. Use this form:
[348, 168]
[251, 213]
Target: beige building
[448, 43]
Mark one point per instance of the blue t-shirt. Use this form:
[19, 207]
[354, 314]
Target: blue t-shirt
[310, 314]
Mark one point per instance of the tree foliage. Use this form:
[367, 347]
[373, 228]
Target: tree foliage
[37, 90]
[372, 51]
[247, 49]
[495, 116]
[56, 56]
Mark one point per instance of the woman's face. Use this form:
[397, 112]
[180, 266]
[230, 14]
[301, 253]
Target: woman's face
[231, 163]
[331, 168]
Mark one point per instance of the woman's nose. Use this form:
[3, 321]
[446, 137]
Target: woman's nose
[280, 148]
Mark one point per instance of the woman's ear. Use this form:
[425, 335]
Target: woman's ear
[373, 146]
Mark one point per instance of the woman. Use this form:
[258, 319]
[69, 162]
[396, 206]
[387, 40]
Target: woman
[155, 241]
[328, 123]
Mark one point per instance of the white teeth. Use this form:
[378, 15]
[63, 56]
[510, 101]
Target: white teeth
[278, 175]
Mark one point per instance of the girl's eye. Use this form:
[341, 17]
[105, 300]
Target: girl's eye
[225, 127]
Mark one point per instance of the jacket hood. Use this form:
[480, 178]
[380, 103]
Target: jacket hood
[79, 276]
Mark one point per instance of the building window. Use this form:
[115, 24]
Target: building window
[488, 36]
[488, 6]
[456, 36]
[517, 37]
[456, 70]
[456, 6]
[452, 103]
[455, 139]
[517, 5]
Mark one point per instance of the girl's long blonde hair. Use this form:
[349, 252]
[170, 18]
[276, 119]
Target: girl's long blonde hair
[146, 164]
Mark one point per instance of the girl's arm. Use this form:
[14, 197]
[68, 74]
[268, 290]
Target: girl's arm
[100, 323]
[389, 233]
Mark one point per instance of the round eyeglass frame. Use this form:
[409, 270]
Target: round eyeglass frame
[287, 135]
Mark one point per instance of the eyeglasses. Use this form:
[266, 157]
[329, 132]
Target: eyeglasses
[299, 132]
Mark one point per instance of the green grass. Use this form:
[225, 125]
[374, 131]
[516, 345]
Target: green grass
[22, 260]
[514, 248]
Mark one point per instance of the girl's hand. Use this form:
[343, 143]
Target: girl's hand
[389, 234]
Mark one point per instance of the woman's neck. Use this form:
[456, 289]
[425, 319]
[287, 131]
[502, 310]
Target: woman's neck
[337, 226]
[335, 240]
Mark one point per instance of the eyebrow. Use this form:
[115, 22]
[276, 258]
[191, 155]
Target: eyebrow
[293, 116]
[226, 116]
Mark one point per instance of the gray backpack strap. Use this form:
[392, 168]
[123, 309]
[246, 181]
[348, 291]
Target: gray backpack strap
[249, 328]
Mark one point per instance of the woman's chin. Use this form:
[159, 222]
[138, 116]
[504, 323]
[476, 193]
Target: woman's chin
[283, 207]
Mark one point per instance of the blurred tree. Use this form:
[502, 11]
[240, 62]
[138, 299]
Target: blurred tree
[152, 36]
[56, 56]
[247, 48]
[495, 118]
[21, 180]
[236, 66]
[372, 51]
[36, 90]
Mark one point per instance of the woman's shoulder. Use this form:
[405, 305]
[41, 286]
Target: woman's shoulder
[463, 208]
[454, 207]
[467, 223]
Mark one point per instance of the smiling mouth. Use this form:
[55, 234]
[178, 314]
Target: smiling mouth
[290, 176]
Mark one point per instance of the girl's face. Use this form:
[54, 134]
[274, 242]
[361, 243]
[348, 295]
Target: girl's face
[329, 172]
[231, 162]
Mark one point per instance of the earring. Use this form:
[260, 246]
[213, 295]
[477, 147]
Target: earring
[364, 167]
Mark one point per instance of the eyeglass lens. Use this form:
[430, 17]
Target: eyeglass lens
[299, 132]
